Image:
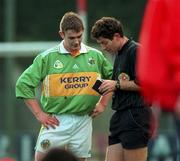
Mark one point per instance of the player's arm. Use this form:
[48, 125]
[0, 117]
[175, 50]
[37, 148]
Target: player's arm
[44, 118]
[102, 104]
[25, 89]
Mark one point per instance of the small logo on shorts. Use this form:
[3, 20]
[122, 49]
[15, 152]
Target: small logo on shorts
[45, 144]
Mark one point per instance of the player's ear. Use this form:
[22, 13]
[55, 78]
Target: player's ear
[61, 34]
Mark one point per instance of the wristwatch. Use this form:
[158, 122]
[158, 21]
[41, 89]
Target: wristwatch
[118, 86]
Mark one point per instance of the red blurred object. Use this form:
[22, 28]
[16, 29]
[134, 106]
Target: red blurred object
[7, 159]
[82, 5]
[158, 62]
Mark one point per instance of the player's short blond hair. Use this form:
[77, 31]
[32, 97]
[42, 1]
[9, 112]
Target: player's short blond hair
[71, 21]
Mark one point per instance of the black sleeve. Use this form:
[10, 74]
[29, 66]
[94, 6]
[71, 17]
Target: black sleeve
[133, 54]
[114, 67]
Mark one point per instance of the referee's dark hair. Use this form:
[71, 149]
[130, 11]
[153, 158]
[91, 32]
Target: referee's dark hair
[58, 154]
[106, 27]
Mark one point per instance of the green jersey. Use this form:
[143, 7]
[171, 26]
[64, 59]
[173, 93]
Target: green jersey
[66, 80]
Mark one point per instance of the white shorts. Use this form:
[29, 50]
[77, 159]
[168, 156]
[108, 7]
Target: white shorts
[74, 132]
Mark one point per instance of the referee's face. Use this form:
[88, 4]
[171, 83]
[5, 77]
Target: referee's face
[108, 45]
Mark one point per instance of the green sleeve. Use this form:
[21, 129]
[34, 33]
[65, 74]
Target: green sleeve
[107, 69]
[30, 79]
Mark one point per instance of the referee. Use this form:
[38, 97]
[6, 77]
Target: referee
[130, 125]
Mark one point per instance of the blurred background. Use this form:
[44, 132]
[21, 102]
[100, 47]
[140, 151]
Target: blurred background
[28, 27]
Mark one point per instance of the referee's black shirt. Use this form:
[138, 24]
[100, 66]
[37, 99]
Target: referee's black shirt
[124, 66]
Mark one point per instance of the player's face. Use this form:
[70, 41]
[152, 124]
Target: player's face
[108, 45]
[72, 39]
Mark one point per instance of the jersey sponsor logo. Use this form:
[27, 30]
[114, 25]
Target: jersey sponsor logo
[124, 76]
[58, 64]
[69, 84]
[75, 79]
[75, 82]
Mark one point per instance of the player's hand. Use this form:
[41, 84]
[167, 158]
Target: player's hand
[107, 86]
[99, 108]
[47, 120]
